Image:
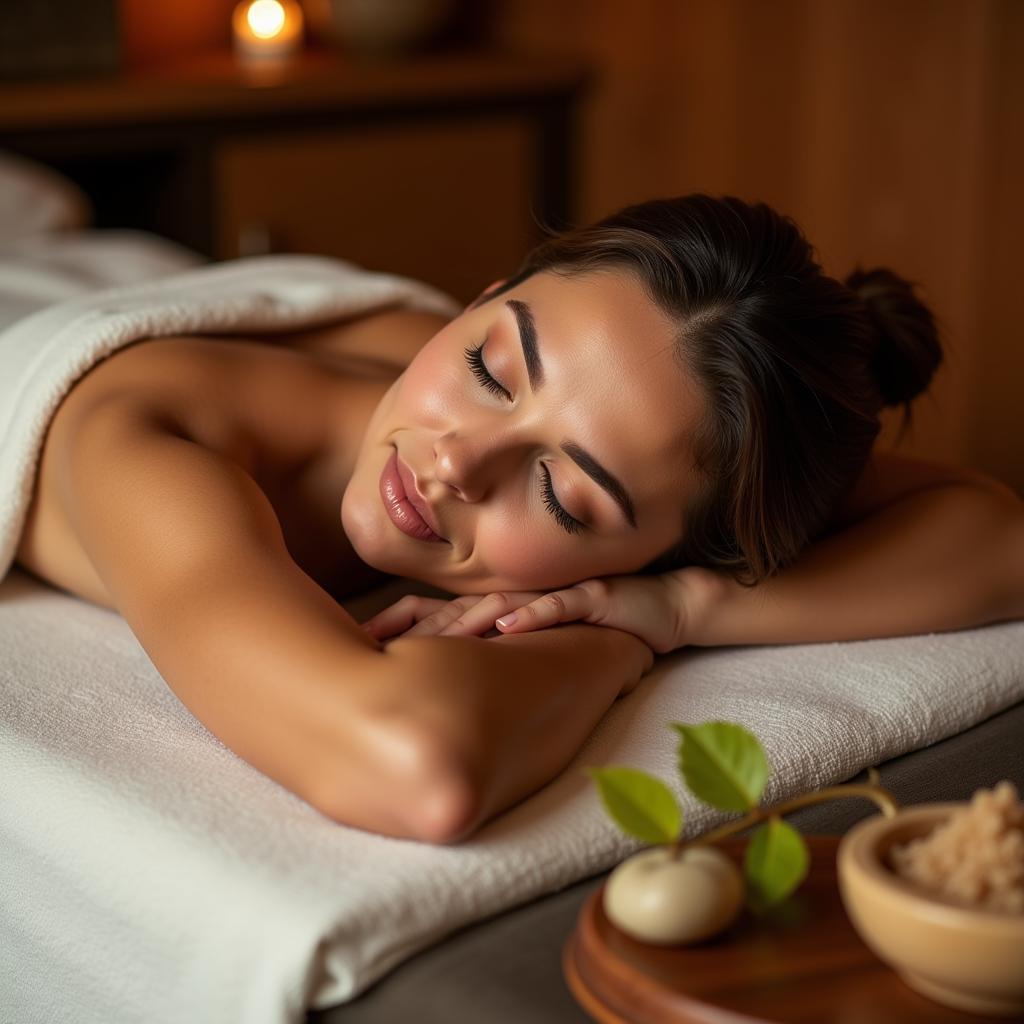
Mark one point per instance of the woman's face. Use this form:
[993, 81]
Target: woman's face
[545, 433]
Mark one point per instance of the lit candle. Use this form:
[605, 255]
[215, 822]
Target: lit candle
[266, 30]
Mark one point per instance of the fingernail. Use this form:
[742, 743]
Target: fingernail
[507, 620]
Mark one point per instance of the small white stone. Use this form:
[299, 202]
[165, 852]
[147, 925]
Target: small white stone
[658, 899]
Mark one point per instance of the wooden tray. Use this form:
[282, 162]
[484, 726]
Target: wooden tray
[801, 962]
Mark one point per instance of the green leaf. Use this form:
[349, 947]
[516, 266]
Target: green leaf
[641, 805]
[723, 764]
[775, 864]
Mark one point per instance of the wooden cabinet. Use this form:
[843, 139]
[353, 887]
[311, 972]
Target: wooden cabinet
[437, 200]
[442, 168]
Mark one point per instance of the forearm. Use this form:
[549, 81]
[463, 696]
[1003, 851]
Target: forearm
[514, 710]
[945, 558]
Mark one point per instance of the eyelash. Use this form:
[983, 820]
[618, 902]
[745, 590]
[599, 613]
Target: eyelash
[564, 520]
[474, 356]
[475, 359]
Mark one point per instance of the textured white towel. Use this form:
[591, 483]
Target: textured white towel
[147, 874]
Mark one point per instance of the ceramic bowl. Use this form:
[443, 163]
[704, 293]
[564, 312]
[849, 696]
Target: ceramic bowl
[968, 958]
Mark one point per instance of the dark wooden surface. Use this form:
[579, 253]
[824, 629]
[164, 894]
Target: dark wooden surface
[215, 87]
[803, 962]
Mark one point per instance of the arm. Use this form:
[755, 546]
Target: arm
[945, 556]
[425, 739]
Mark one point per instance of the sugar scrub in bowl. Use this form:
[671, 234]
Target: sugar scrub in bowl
[937, 892]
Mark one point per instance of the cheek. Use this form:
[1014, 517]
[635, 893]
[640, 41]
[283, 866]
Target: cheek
[525, 559]
[430, 387]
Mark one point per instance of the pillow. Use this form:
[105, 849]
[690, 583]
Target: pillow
[47, 257]
[35, 199]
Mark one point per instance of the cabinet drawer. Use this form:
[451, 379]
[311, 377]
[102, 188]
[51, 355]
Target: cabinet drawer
[444, 201]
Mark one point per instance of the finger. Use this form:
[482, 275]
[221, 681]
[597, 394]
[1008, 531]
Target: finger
[440, 618]
[480, 618]
[401, 615]
[549, 610]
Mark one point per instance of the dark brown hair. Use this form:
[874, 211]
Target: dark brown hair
[795, 365]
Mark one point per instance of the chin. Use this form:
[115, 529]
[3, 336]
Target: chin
[378, 545]
[367, 534]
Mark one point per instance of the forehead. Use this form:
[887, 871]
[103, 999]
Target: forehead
[615, 372]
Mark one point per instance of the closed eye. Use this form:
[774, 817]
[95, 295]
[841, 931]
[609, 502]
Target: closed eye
[475, 358]
[564, 520]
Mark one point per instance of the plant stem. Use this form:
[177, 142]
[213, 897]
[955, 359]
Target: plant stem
[869, 790]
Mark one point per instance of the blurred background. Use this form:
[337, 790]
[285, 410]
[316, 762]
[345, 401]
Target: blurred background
[439, 138]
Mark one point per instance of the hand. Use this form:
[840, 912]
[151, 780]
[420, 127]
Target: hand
[469, 615]
[654, 608]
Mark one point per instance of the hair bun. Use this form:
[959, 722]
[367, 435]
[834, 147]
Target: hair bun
[908, 351]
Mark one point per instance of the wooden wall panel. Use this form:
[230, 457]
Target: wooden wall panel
[890, 132]
[996, 422]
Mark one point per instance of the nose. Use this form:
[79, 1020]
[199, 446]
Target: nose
[472, 465]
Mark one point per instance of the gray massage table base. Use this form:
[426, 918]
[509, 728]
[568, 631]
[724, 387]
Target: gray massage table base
[507, 969]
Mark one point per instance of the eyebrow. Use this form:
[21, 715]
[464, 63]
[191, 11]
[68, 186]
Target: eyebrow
[535, 372]
[528, 339]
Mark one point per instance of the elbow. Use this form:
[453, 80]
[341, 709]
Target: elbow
[440, 798]
[447, 814]
[415, 788]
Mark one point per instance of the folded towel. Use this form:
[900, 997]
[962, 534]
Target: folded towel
[149, 874]
[43, 354]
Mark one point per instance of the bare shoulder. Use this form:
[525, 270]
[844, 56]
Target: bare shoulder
[236, 400]
[390, 337]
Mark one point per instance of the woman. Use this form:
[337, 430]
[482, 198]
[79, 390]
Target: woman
[665, 408]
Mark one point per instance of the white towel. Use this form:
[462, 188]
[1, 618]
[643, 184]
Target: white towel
[149, 874]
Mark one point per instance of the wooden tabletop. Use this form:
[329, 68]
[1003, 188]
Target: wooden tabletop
[803, 962]
[215, 84]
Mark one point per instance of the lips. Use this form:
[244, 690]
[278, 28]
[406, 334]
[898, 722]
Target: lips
[406, 509]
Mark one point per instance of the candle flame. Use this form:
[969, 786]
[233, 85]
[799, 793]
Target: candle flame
[266, 18]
